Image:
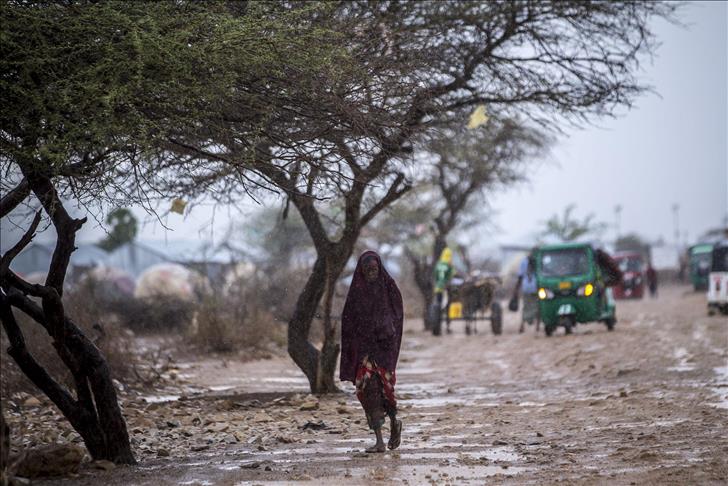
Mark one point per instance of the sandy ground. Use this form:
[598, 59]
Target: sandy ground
[645, 404]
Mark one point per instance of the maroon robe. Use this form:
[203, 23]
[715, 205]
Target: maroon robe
[371, 324]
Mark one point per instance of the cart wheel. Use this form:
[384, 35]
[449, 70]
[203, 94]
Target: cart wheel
[437, 329]
[549, 329]
[496, 318]
[437, 326]
[432, 316]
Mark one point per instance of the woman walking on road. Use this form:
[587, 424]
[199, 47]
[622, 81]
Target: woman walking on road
[371, 334]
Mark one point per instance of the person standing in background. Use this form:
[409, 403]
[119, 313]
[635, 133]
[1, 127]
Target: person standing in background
[443, 273]
[528, 290]
[651, 275]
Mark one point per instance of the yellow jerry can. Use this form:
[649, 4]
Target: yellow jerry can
[455, 311]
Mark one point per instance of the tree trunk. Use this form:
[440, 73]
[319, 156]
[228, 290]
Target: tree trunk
[423, 281]
[330, 348]
[94, 412]
[319, 366]
[4, 442]
[303, 353]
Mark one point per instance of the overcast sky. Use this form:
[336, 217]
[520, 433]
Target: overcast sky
[670, 149]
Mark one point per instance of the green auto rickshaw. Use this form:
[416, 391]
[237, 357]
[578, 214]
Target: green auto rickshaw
[700, 261]
[573, 281]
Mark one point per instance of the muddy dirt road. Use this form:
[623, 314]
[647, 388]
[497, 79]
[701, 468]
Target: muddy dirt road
[645, 404]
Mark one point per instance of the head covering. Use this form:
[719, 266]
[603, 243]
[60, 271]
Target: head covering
[371, 324]
[446, 255]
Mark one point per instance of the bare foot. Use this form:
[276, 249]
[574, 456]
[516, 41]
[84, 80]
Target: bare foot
[378, 447]
[396, 435]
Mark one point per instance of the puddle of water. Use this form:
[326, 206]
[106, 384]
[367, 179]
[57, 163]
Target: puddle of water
[503, 454]
[682, 355]
[721, 393]
[278, 379]
[221, 388]
[722, 396]
[722, 372]
[312, 450]
[419, 427]
[593, 348]
[680, 368]
[161, 398]
[412, 371]
[424, 474]
[317, 458]
[634, 425]
[156, 467]
[434, 401]
[668, 423]
[450, 400]
[186, 365]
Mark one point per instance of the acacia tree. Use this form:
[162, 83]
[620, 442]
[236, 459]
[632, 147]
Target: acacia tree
[569, 228]
[466, 166]
[344, 136]
[92, 94]
[124, 229]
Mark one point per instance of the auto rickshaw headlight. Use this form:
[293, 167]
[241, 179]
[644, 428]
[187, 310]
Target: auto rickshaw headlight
[544, 294]
[586, 290]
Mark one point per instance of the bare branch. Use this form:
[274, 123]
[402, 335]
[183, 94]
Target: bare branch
[13, 198]
[393, 193]
[7, 258]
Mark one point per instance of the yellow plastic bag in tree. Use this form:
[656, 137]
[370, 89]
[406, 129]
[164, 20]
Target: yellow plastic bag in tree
[478, 117]
[178, 206]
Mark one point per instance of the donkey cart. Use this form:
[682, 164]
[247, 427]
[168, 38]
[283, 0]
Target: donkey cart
[469, 301]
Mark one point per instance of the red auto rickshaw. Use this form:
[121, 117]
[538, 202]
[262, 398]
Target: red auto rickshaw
[632, 265]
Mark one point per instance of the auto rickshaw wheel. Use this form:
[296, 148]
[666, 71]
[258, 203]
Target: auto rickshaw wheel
[567, 323]
[468, 330]
[496, 318]
[549, 330]
[610, 322]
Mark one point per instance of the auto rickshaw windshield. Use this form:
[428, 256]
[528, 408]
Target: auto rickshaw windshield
[563, 263]
[630, 265]
[701, 262]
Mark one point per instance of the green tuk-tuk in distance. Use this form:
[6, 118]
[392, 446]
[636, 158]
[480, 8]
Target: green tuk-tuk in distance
[700, 260]
[573, 285]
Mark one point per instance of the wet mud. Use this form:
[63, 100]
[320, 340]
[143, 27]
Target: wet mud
[645, 404]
